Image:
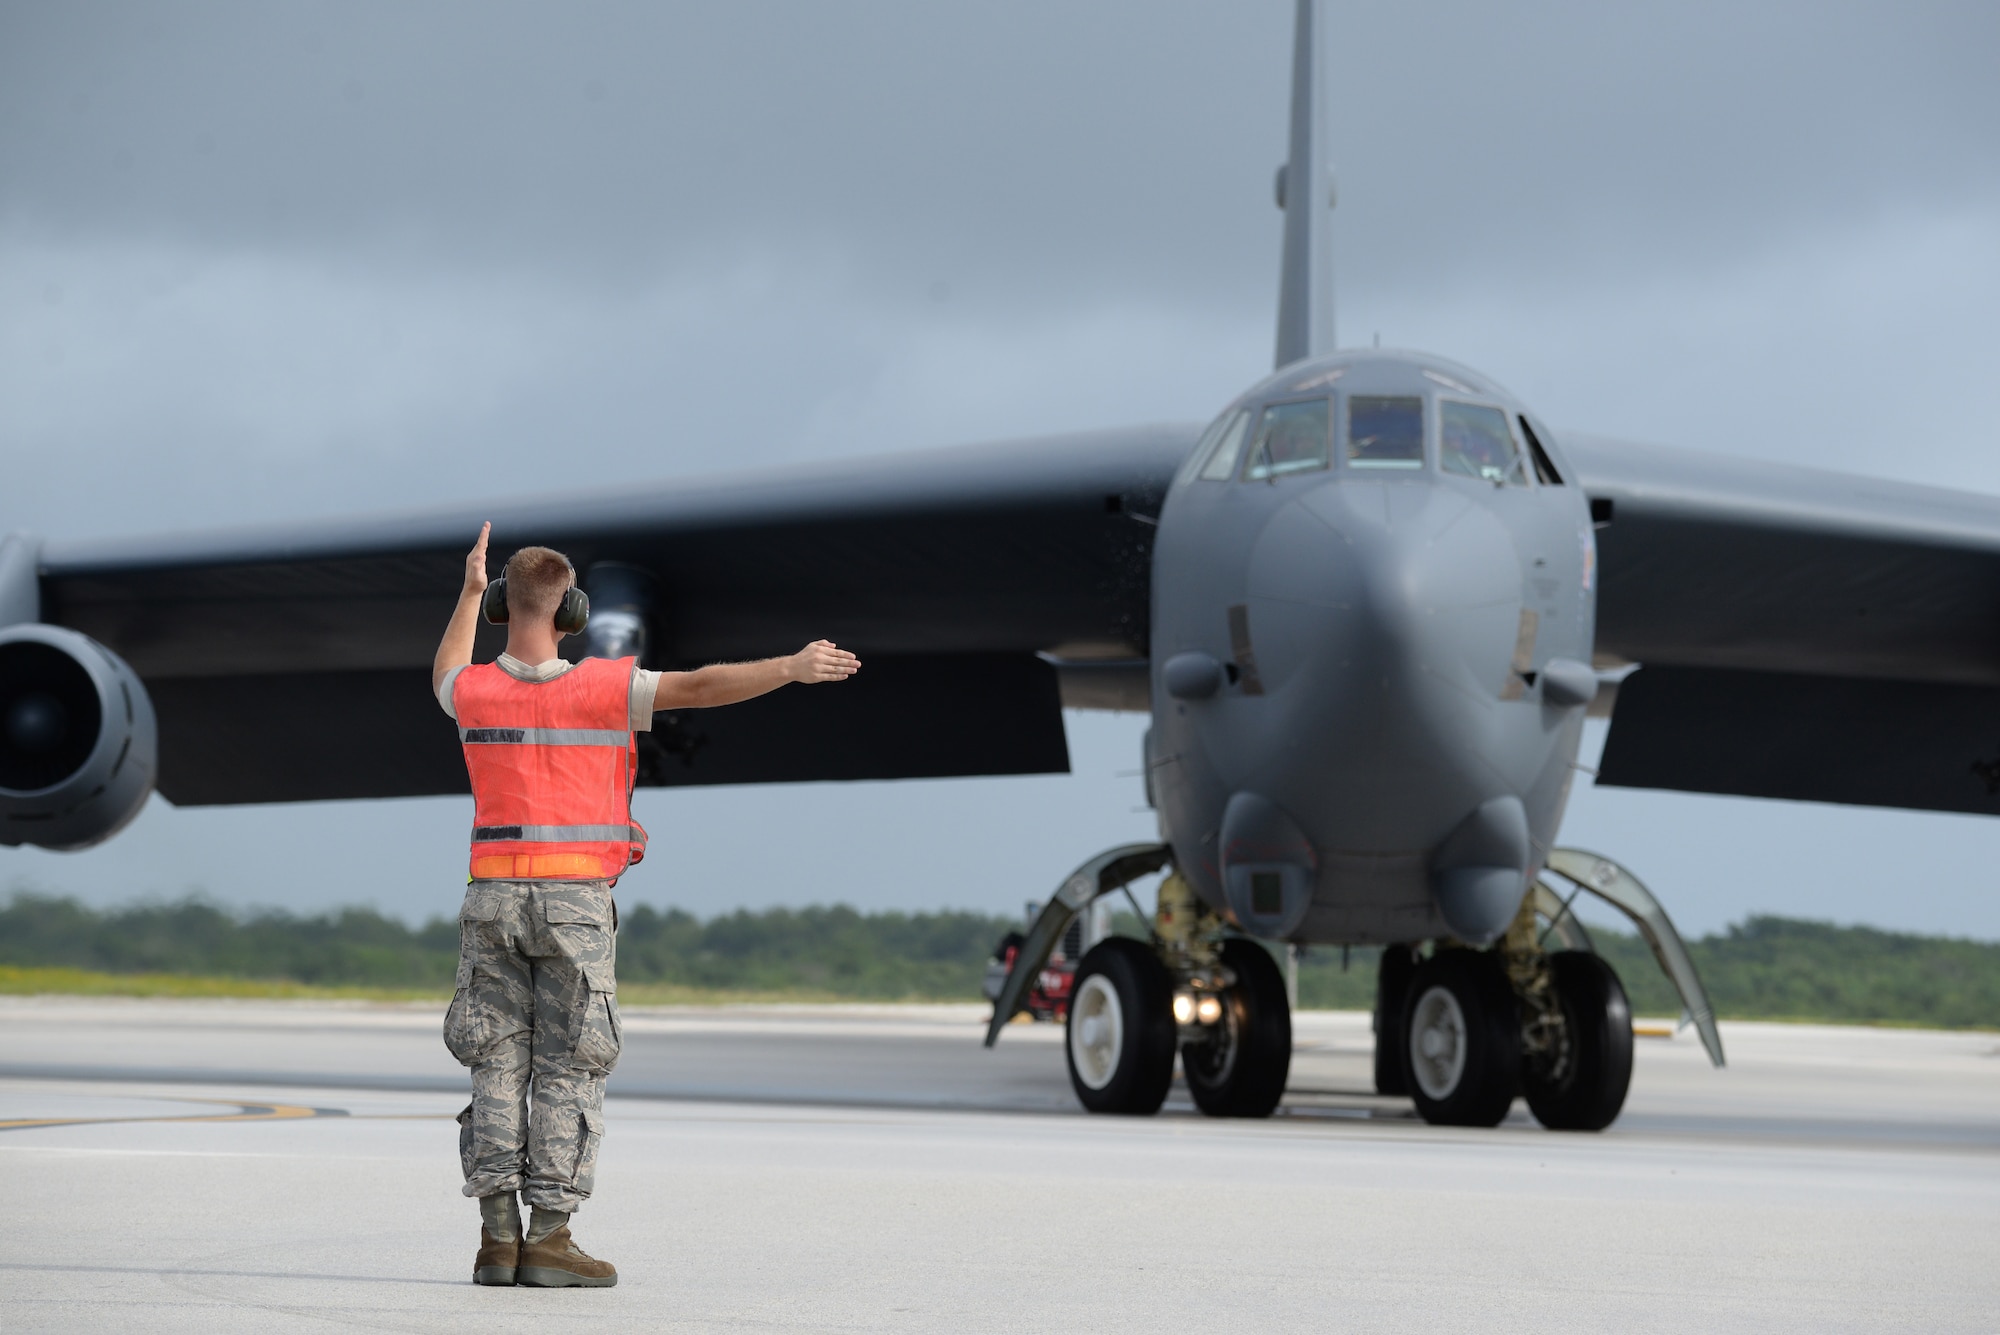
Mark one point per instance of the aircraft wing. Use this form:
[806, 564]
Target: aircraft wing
[977, 584]
[1801, 634]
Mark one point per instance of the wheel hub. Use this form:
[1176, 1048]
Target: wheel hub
[1096, 1031]
[1437, 1042]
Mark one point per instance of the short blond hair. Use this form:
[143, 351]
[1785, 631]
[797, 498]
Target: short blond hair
[536, 578]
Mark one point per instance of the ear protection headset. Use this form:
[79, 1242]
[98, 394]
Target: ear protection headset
[571, 617]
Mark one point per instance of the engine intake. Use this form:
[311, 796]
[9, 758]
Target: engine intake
[78, 745]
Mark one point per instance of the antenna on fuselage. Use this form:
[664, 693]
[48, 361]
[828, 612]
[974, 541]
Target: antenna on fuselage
[1305, 193]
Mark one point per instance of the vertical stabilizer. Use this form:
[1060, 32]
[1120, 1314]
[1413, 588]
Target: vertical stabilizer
[1305, 193]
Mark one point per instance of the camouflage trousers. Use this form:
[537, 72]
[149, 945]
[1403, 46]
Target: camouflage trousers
[535, 1015]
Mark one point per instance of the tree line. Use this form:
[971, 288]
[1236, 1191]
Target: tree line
[1763, 967]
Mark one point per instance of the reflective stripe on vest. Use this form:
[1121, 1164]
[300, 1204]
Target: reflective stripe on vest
[554, 834]
[552, 765]
[544, 736]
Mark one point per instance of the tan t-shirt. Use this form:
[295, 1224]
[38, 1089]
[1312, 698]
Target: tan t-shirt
[639, 708]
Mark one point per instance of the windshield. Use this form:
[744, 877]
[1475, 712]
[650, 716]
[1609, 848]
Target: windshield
[1385, 431]
[1227, 438]
[1476, 442]
[1292, 438]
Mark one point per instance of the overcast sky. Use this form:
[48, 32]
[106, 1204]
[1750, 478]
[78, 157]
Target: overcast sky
[271, 261]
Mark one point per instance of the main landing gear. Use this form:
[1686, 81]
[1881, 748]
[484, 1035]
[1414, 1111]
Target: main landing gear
[1540, 1014]
[1236, 1065]
[1470, 1043]
[1217, 1003]
[1469, 1040]
[1460, 1042]
[1220, 1004]
[1121, 1029]
[1461, 1032]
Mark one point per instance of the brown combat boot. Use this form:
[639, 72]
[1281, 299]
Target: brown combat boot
[497, 1261]
[556, 1262]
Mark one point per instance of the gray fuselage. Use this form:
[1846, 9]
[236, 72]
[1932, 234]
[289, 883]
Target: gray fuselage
[1372, 624]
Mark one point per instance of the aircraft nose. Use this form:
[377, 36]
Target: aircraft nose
[1382, 616]
[1390, 572]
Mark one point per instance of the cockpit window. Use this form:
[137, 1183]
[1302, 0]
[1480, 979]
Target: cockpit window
[1225, 441]
[1475, 442]
[1292, 438]
[1385, 431]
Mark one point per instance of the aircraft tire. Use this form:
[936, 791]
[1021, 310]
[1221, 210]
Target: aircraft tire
[1588, 1092]
[1461, 1034]
[1392, 986]
[1119, 1040]
[1241, 1072]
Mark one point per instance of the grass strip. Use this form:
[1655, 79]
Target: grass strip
[18, 980]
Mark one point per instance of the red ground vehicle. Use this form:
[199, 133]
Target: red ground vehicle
[1048, 999]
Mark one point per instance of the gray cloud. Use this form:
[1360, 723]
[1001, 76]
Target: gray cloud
[1033, 146]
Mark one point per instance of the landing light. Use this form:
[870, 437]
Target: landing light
[1189, 1007]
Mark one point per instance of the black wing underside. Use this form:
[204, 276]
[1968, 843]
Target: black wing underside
[976, 584]
[1801, 634]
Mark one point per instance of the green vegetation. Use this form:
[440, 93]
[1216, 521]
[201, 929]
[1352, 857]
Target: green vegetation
[1764, 968]
[354, 947]
[195, 948]
[1333, 982]
[1784, 969]
[838, 951]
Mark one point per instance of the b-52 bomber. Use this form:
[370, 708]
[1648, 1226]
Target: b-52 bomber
[1368, 609]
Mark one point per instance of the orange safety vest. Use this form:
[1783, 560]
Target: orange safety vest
[552, 765]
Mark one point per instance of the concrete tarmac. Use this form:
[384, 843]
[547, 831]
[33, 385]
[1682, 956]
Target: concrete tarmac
[224, 1166]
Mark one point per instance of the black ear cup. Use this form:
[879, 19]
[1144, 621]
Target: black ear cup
[571, 617]
[574, 614]
[493, 606]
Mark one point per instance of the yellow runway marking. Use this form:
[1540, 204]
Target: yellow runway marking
[246, 1112]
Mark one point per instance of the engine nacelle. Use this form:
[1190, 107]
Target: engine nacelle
[78, 745]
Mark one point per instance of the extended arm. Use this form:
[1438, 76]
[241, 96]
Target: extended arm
[455, 650]
[728, 683]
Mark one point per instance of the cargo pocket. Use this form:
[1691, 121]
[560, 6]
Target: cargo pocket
[460, 1032]
[599, 1037]
[465, 1141]
[483, 903]
[580, 903]
[586, 1152]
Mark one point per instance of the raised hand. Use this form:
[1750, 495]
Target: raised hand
[475, 562]
[822, 660]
